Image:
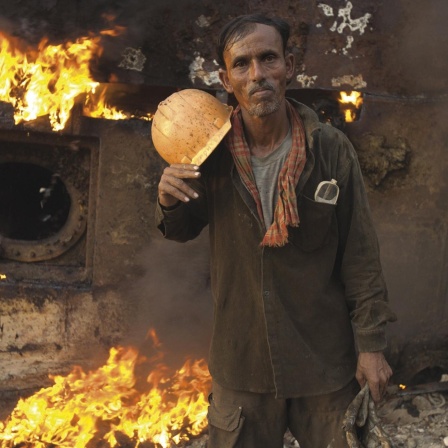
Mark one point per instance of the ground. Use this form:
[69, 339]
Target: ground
[411, 421]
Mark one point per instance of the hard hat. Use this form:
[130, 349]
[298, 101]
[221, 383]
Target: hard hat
[188, 126]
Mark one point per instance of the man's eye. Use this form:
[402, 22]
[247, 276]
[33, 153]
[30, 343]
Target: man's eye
[269, 58]
[240, 64]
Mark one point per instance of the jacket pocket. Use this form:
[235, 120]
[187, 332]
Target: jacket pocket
[225, 425]
[314, 230]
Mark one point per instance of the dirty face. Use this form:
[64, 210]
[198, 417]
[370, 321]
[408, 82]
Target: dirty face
[257, 71]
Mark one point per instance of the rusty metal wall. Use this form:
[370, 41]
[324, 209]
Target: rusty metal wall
[395, 52]
[51, 314]
[402, 146]
[380, 47]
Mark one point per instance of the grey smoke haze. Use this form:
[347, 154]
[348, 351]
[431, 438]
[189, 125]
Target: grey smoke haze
[173, 297]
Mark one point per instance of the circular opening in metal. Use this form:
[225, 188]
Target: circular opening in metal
[34, 202]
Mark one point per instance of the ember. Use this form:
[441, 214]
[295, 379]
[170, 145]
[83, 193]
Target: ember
[87, 409]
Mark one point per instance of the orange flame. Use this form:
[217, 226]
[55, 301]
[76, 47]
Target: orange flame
[352, 102]
[98, 108]
[116, 31]
[47, 80]
[2, 277]
[104, 404]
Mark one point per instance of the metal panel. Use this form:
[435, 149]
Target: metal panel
[388, 48]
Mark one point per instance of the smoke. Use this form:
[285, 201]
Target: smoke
[173, 297]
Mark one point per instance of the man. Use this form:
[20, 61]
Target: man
[292, 278]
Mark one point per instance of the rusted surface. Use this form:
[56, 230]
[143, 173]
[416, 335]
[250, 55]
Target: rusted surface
[73, 159]
[68, 160]
[388, 48]
[410, 211]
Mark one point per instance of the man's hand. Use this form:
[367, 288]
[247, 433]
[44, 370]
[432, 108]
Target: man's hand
[172, 188]
[373, 369]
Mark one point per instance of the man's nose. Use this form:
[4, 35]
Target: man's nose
[256, 71]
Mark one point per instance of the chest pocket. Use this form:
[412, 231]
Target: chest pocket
[315, 229]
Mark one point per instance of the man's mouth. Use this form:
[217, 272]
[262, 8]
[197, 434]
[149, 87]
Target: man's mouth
[260, 90]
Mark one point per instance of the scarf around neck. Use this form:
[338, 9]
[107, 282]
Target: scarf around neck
[285, 212]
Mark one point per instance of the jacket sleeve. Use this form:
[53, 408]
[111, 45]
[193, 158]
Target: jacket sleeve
[361, 271]
[185, 221]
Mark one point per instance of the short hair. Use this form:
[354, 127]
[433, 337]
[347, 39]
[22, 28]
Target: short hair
[243, 25]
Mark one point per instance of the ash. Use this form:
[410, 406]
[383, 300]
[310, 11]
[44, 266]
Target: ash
[414, 421]
[418, 421]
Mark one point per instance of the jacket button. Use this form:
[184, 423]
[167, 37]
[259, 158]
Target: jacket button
[266, 294]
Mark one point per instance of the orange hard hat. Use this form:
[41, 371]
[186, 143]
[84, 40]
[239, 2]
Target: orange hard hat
[189, 125]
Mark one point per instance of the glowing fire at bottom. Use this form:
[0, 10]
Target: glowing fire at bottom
[83, 408]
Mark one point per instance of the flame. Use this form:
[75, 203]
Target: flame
[2, 277]
[48, 80]
[351, 101]
[402, 386]
[116, 31]
[98, 108]
[83, 408]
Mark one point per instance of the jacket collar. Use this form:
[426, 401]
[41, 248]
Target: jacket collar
[312, 125]
[310, 120]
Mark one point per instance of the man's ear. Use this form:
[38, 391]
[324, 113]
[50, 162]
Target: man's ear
[290, 66]
[225, 80]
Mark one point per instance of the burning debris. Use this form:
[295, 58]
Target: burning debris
[103, 408]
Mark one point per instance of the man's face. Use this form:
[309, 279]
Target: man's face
[257, 71]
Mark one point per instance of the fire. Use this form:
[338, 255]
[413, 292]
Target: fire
[96, 107]
[351, 102]
[47, 80]
[84, 409]
[2, 277]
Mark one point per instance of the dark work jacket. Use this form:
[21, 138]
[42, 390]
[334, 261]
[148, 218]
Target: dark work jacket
[285, 317]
